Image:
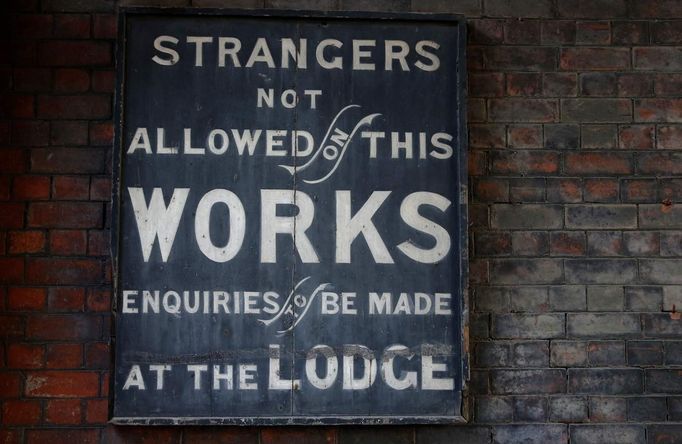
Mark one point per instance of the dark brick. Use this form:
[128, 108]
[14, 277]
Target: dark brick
[486, 84]
[520, 58]
[530, 243]
[524, 84]
[492, 244]
[601, 190]
[661, 325]
[593, 33]
[564, 190]
[558, 32]
[568, 354]
[527, 190]
[664, 434]
[601, 216]
[659, 110]
[532, 326]
[589, 434]
[527, 216]
[68, 160]
[660, 271]
[639, 190]
[599, 136]
[525, 162]
[568, 409]
[608, 409]
[567, 298]
[530, 434]
[530, 409]
[493, 409]
[592, 9]
[486, 31]
[605, 381]
[487, 136]
[602, 325]
[658, 58]
[518, 8]
[605, 243]
[522, 32]
[643, 298]
[562, 136]
[635, 85]
[491, 190]
[667, 381]
[528, 382]
[560, 84]
[523, 110]
[74, 53]
[596, 110]
[669, 137]
[606, 353]
[646, 409]
[449, 434]
[630, 33]
[524, 136]
[671, 243]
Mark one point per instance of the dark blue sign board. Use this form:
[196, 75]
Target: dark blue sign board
[290, 218]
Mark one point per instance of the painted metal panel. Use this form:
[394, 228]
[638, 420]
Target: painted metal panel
[290, 218]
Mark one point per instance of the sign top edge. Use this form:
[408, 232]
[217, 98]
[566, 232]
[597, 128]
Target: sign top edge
[455, 19]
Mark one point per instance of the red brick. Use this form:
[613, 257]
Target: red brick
[10, 384]
[32, 79]
[74, 107]
[65, 215]
[105, 26]
[592, 9]
[32, 26]
[658, 58]
[68, 356]
[11, 215]
[476, 111]
[11, 436]
[658, 110]
[525, 162]
[101, 133]
[636, 137]
[491, 190]
[669, 137]
[71, 187]
[20, 242]
[25, 356]
[74, 53]
[97, 355]
[594, 59]
[98, 243]
[4, 187]
[143, 435]
[66, 327]
[53, 271]
[66, 299]
[601, 190]
[16, 412]
[524, 84]
[11, 325]
[226, 435]
[62, 436]
[68, 242]
[67, 160]
[525, 136]
[99, 300]
[30, 133]
[12, 161]
[31, 188]
[639, 190]
[598, 163]
[100, 189]
[71, 80]
[24, 53]
[75, 26]
[567, 243]
[11, 270]
[103, 81]
[63, 411]
[23, 298]
[17, 106]
[97, 411]
[477, 163]
[69, 132]
[522, 32]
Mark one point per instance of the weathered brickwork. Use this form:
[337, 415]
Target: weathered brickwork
[575, 163]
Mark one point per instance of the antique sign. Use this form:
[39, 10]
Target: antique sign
[290, 218]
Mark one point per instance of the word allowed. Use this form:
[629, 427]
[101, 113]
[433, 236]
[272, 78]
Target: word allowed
[359, 371]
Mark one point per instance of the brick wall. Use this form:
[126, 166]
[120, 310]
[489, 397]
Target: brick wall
[575, 131]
